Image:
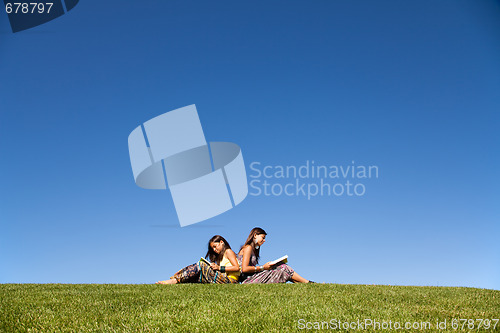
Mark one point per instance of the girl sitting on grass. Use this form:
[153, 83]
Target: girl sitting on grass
[249, 259]
[223, 268]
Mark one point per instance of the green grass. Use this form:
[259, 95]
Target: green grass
[232, 308]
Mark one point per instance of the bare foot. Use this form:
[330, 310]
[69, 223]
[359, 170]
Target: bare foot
[171, 281]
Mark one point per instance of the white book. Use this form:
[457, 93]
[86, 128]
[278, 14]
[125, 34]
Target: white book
[281, 260]
[205, 260]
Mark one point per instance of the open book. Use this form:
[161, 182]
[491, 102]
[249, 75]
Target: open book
[282, 260]
[205, 260]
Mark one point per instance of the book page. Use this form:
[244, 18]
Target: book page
[283, 259]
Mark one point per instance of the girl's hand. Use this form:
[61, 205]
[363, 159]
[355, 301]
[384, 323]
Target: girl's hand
[214, 266]
[267, 266]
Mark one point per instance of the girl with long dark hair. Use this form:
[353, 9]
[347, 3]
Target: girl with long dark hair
[224, 267]
[249, 255]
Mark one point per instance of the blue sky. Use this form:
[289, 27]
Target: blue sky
[409, 86]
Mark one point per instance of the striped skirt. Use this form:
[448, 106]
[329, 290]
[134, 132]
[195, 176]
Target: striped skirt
[279, 274]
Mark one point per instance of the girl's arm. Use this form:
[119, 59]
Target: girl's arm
[234, 262]
[232, 259]
[245, 262]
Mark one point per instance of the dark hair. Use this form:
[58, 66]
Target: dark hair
[255, 231]
[211, 255]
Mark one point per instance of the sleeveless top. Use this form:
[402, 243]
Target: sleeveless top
[252, 262]
[232, 275]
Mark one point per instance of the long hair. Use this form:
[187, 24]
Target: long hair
[211, 255]
[255, 231]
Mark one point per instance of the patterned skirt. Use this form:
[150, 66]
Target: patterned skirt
[279, 274]
[201, 272]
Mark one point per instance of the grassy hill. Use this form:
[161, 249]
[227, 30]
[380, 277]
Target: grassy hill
[240, 308]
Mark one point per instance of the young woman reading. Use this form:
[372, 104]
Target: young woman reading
[253, 273]
[224, 267]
